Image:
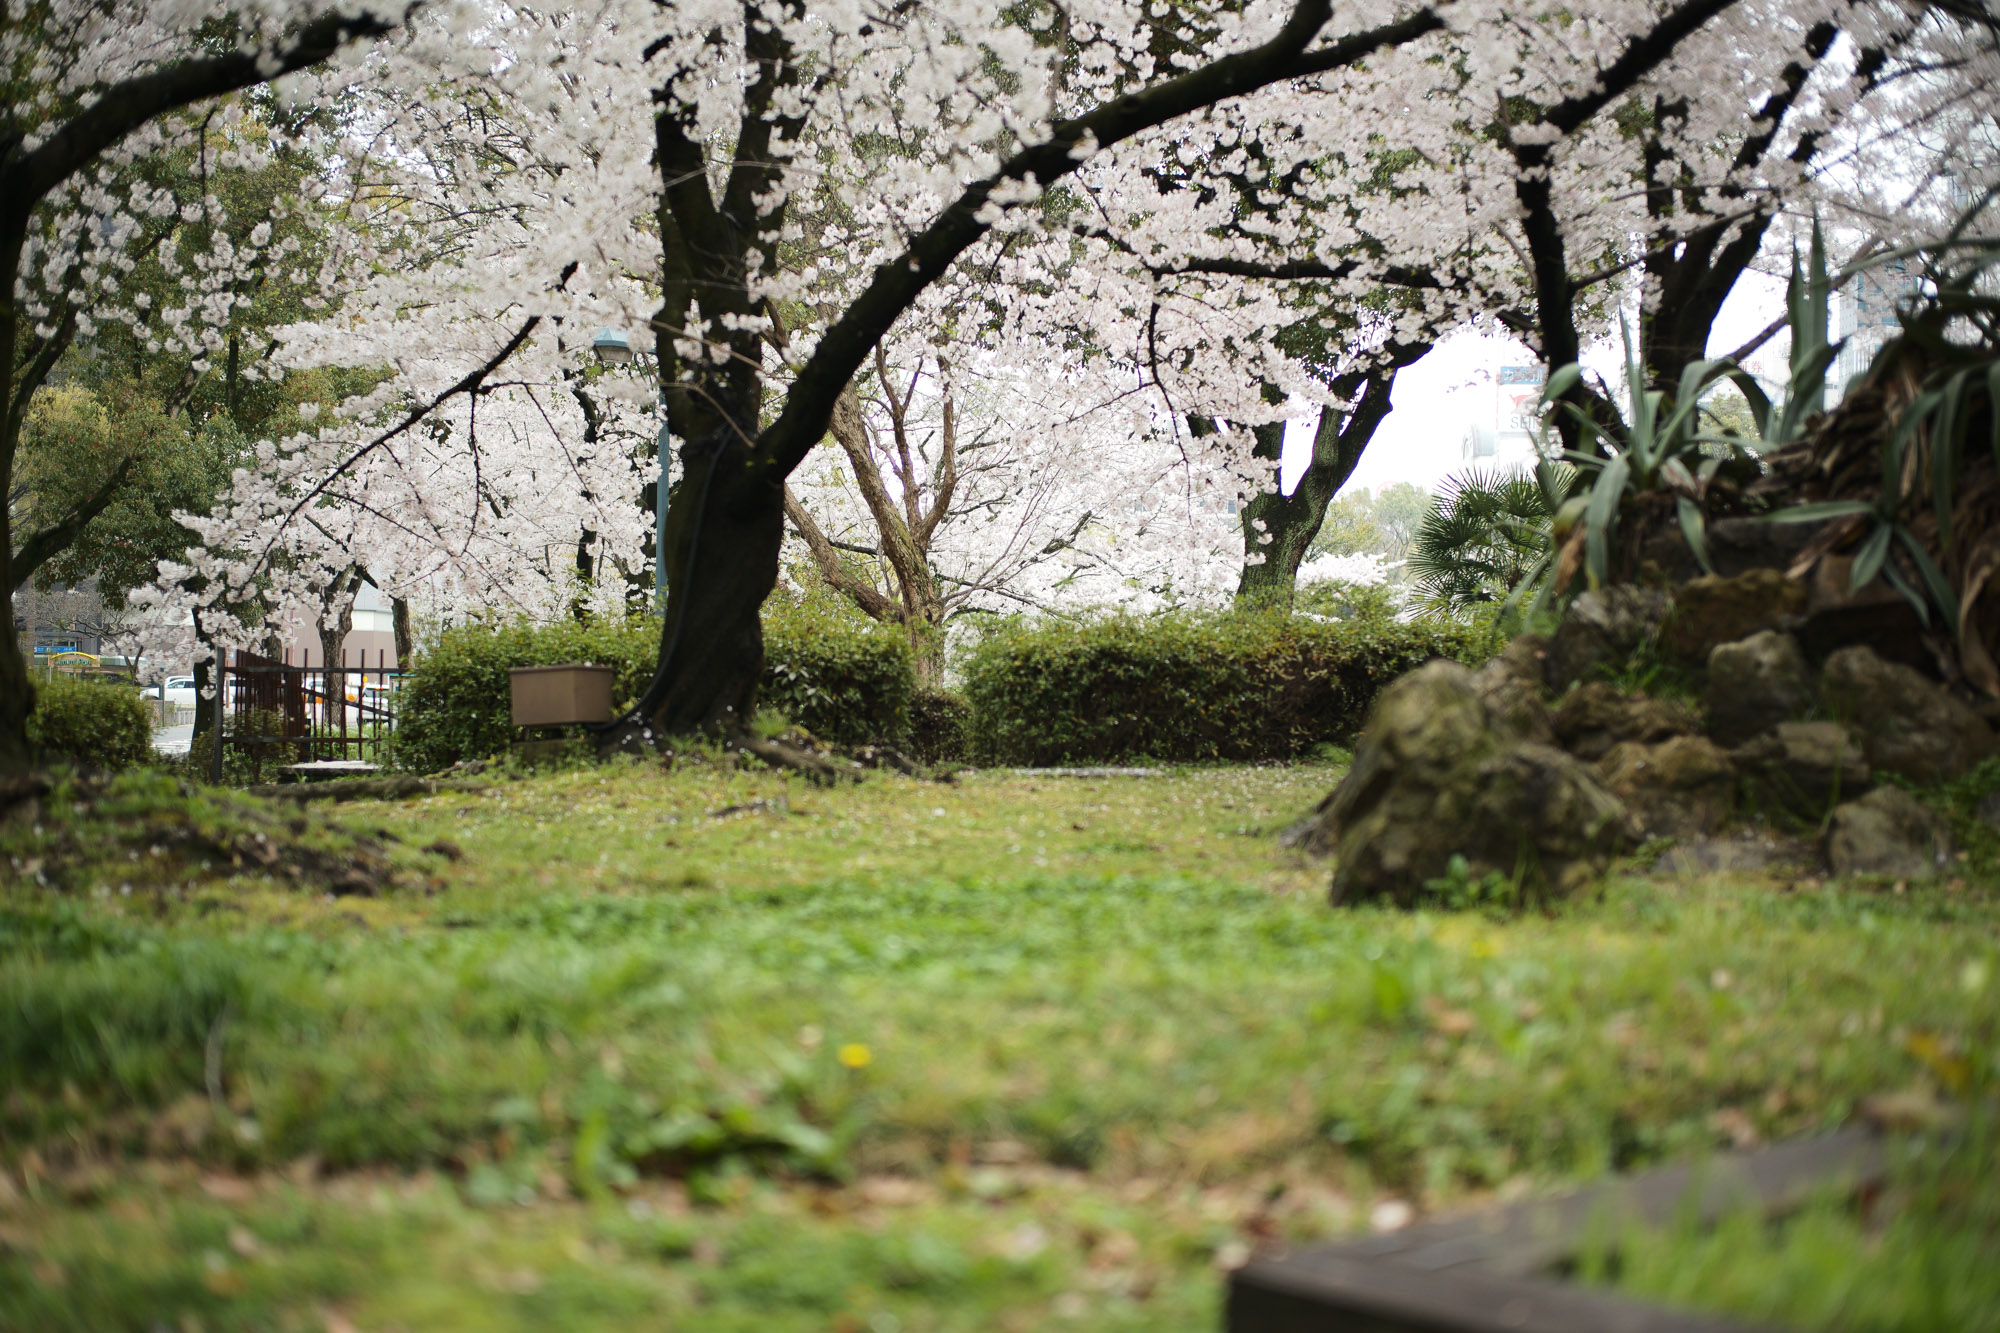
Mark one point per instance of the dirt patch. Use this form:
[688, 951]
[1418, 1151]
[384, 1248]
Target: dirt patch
[148, 830]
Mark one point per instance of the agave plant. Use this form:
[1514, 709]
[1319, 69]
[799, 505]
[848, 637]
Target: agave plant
[1487, 533]
[1666, 451]
[1808, 309]
[1910, 465]
[1661, 450]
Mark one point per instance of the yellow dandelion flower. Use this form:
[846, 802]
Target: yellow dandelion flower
[856, 1056]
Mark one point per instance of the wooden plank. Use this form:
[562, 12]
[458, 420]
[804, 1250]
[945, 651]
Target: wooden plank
[1483, 1270]
[1353, 1294]
[330, 768]
[1536, 1234]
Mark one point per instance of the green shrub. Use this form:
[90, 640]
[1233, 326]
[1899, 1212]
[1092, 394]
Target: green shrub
[843, 678]
[940, 727]
[1220, 685]
[1336, 599]
[842, 681]
[97, 724]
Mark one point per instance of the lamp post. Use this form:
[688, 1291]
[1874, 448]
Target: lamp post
[613, 349]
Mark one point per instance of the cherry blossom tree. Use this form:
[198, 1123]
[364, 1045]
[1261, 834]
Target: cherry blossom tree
[91, 88]
[1029, 481]
[551, 195]
[1071, 179]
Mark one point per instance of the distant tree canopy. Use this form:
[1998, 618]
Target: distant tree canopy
[1383, 523]
[149, 419]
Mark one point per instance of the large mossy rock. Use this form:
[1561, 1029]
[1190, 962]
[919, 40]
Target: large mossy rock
[1681, 787]
[1711, 611]
[1600, 632]
[1888, 832]
[1597, 715]
[1754, 684]
[1438, 775]
[1803, 768]
[1907, 723]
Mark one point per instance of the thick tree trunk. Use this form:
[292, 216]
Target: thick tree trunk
[1277, 528]
[406, 647]
[17, 701]
[725, 525]
[927, 645]
[205, 710]
[1290, 522]
[332, 645]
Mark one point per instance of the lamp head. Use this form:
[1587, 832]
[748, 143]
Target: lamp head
[611, 347]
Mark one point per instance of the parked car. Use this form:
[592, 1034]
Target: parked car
[178, 691]
[375, 697]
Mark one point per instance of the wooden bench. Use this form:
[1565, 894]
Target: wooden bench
[1497, 1271]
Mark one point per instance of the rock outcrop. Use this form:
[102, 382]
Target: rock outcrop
[1803, 769]
[1908, 724]
[1481, 766]
[1601, 630]
[1711, 611]
[1596, 716]
[1511, 686]
[1678, 788]
[1888, 832]
[1437, 775]
[1754, 684]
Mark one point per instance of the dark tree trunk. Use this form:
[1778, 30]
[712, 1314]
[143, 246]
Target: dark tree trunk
[399, 615]
[332, 644]
[725, 525]
[17, 701]
[205, 709]
[1277, 527]
[1290, 522]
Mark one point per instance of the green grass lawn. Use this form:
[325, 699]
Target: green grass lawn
[718, 1050]
[1917, 1252]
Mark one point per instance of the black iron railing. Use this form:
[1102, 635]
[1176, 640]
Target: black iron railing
[277, 714]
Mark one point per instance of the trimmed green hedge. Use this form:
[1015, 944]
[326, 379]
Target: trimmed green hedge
[1241, 685]
[843, 680]
[100, 724]
[940, 727]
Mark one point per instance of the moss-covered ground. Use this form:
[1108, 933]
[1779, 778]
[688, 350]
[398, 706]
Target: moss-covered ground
[620, 1048]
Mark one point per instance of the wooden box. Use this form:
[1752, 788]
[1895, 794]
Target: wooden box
[555, 696]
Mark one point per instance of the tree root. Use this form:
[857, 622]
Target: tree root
[824, 765]
[795, 751]
[365, 789]
[821, 771]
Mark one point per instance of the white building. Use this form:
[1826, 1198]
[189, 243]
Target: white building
[1505, 411]
[1864, 317]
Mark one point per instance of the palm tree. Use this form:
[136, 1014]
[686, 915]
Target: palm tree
[1485, 533]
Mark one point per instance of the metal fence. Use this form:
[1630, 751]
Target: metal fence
[277, 714]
